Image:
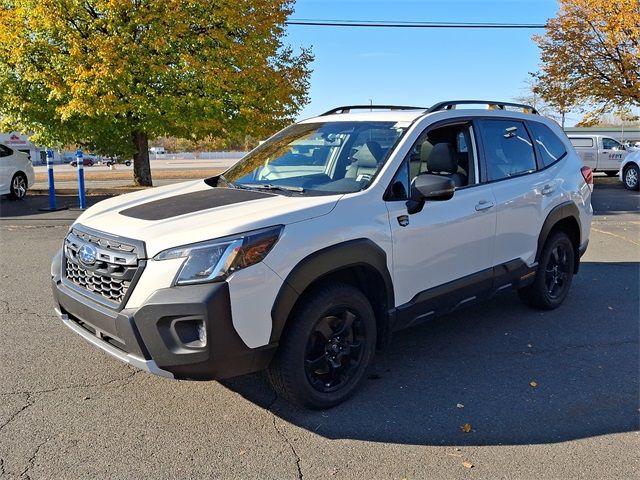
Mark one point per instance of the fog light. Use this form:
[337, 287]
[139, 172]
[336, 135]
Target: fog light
[202, 333]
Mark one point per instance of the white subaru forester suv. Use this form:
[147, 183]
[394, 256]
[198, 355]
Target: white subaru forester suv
[308, 254]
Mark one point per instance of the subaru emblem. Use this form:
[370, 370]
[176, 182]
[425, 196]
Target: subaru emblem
[88, 254]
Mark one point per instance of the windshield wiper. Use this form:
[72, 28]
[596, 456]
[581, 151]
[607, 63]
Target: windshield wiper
[268, 186]
[231, 184]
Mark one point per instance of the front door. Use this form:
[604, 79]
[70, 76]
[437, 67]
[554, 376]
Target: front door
[611, 154]
[447, 242]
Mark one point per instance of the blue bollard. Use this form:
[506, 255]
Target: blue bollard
[81, 193]
[52, 188]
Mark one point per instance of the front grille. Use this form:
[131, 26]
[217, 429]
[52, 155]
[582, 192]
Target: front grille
[106, 285]
[108, 274]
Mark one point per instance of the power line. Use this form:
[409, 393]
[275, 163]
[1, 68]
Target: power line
[400, 24]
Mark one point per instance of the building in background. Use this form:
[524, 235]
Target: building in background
[22, 143]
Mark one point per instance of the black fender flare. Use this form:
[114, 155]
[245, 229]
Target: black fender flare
[558, 213]
[352, 253]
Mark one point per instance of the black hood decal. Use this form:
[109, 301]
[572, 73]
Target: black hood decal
[191, 202]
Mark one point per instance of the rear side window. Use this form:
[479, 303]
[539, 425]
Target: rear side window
[508, 148]
[550, 146]
[5, 151]
[582, 142]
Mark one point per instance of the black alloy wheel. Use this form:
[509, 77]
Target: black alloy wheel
[328, 342]
[556, 266]
[335, 350]
[557, 271]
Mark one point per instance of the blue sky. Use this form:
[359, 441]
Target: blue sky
[417, 66]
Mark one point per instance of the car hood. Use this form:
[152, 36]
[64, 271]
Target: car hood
[190, 212]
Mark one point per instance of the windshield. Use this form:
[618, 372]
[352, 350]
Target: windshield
[318, 158]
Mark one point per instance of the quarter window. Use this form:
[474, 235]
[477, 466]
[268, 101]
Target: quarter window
[550, 146]
[508, 149]
[5, 151]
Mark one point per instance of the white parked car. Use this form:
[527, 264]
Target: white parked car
[16, 173]
[601, 153]
[306, 255]
[630, 171]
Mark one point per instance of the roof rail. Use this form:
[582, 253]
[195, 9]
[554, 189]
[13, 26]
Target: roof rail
[451, 104]
[348, 108]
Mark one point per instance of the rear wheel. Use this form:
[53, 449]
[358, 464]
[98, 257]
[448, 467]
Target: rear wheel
[326, 349]
[630, 177]
[554, 274]
[18, 188]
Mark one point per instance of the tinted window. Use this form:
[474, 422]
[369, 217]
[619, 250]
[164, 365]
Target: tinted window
[610, 144]
[5, 151]
[508, 148]
[582, 142]
[550, 146]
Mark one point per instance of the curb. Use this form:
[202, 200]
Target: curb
[65, 192]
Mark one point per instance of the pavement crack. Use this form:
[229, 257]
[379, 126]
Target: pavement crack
[125, 381]
[2, 470]
[282, 435]
[32, 460]
[29, 402]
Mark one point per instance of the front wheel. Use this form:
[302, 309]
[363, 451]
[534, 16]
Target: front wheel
[630, 177]
[18, 189]
[554, 274]
[328, 344]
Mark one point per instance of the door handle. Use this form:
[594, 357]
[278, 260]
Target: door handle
[484, 205]
[548, 189]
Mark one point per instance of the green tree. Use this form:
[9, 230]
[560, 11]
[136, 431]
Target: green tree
[591, 55]
[110, 74]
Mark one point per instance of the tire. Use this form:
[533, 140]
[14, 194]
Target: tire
[611, 174]
[326, 349]
[554, 274]
[74, 164]
[631, 177]
[18, 187]
[127, 163]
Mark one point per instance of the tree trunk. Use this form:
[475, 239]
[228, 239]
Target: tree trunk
[141, 167]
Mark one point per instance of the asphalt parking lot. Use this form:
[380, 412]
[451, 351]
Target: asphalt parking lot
[67, 410]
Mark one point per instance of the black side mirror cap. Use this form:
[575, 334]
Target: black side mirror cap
[429, 187]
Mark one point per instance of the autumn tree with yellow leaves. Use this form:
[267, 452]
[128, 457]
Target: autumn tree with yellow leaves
[110, 74]
[591, 55]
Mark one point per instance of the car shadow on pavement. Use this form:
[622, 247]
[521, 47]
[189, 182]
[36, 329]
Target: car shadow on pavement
[515, 375]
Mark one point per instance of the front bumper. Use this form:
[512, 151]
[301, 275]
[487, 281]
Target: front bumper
[179, 332]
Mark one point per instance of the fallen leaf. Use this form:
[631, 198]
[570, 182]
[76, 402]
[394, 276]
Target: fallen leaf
[242, 452]
[467, 464]
[533, 383]
[459, 405]
[466, 428]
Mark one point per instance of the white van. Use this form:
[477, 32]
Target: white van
[601, 153]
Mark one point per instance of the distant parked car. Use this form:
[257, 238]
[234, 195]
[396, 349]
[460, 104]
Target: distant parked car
[16, 173]
[602, 154]
[113, 160]
[86, 161]
[630, 171]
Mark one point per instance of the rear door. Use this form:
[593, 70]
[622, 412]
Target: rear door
[520, 190]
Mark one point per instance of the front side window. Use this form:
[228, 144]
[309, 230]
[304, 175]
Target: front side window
[550, 146]
[318, 158]
[508, 149]
[611, 144]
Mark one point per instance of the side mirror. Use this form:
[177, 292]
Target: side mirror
[429, 187]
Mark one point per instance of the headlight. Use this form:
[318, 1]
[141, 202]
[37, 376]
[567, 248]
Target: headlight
[214, 260]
